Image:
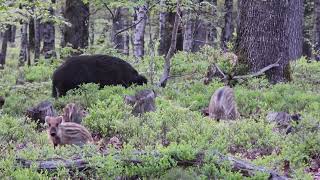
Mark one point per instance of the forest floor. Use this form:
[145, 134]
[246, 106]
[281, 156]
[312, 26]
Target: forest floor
[177, 129]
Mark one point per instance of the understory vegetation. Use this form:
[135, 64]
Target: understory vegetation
[152, 144]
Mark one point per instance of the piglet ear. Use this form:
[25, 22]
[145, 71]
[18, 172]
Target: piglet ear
[59, 119]
[46, 119]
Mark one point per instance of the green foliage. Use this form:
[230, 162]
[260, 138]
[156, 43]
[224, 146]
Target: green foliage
[40, 72]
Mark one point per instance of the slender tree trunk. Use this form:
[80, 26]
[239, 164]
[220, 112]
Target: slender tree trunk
[262, 37]
[307, 29]
[212, 25]
[163, 29]
[295, 29]
[317, 28]
[24, 45]
[92, 32]
[77, 13]
[49, 36]
[12, 33]
[227, 30]
[4, 45]
[172, 49]
[188, 32]
[140, 31]
[37, 41]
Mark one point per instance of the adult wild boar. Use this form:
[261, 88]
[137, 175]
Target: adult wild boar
[99, 69]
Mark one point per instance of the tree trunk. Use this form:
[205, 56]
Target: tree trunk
[317, 28]
[308, 28]
[200, 35]
[138, 40]
[31, 34]
[4, 45]
[48, 36]
[188, 32]
[37, 41]
[212, 36]
[117, 25]
[12, 33]
[227, 30]
[172, 49]
[295, 29]
[92, 31]
[77, 13]
[24, 45]
[262, 37]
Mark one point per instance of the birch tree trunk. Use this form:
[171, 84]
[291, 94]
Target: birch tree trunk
[262, 37]
[49, 37]
[227, 30]
[138, 40]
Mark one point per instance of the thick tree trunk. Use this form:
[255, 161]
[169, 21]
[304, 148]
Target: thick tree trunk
[172, 49]
[77, 13]
[24, 45]
[48, 36]
[139, 32]
[317, 28]
[37, 41]
[295, 29]
[4, 45]
[227, 30]
[262, 37]
[200, 35]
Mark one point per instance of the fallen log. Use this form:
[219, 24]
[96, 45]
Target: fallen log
[245, 168]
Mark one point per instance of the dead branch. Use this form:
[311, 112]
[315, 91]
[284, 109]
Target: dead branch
[259, 73]
[245, 168]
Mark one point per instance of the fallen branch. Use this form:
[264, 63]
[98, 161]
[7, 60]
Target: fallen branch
[259, 73]
[245, 168]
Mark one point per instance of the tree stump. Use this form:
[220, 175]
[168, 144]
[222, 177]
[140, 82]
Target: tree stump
[143, 101]
[39, 112]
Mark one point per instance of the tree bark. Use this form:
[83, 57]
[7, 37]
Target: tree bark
[119, 21]
[77, 13]
[295, 29]
[37, 41]
[188, 32]
[31, 34]
[24, 45]
[139, 32]
[227, 30]
[307, 28]
[12, 33]
[172, 49]
[262, 37]
[4, 46]
[200, 35]
[48, 36]
[317, 28]
[212, 25]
